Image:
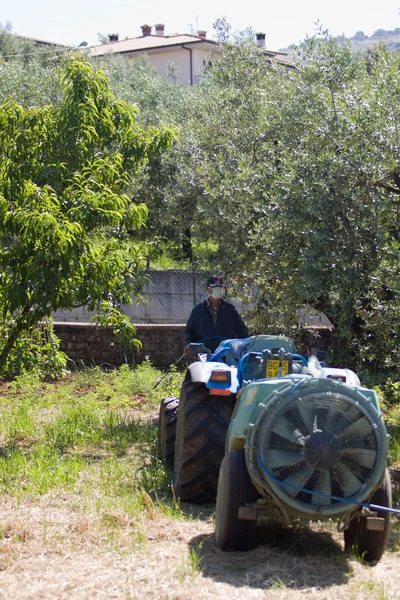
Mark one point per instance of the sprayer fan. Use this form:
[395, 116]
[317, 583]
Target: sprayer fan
[320, 449]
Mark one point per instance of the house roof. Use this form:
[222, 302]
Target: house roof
[38, 42]
[151, 42]
[154, 43]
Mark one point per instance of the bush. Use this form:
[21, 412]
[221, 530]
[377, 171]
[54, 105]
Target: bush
[37, 350]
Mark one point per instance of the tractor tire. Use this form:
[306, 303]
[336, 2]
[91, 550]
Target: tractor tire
[370, 545]
[167, 429]
[200, 442]
[235, 489]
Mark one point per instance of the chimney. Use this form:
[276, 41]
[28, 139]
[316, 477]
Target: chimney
[202, 34]
[113, 37]
[260, 40]
[159, 29]
[146, 30]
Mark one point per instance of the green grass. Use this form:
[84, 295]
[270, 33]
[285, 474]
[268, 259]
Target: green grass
[94, 433]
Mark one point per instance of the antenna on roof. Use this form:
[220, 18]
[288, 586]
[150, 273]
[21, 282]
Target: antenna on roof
[191, 27]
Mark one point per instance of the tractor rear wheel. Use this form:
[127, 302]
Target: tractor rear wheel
[167, 429]
[200, 442]
[235, 489]
[370, 545]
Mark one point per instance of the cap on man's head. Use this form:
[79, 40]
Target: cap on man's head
[215, 280]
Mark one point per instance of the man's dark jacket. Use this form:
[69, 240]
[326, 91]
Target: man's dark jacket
[200, 325]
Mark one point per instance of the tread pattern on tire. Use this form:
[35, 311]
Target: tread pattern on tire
[202, 426]
[167, 420]
[370, 545]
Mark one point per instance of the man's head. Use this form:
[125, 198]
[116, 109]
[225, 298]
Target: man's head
[215, 287]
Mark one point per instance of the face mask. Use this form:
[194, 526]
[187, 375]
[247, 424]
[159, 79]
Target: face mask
[218, 292]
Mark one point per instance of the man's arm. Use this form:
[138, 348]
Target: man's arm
[190, 332]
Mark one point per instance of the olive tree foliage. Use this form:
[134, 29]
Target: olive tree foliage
[13, 47]
[163, 182]
[67, 224]
[332, 240]
[300, 177]
[27, 71]
[30, 85]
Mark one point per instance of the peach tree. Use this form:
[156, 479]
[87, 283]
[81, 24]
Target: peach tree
[68, 223]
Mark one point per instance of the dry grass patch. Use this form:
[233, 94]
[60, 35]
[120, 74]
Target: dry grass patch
[53, 550]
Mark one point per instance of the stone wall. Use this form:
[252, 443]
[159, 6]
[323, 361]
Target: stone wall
[163, 344]
[88, 343]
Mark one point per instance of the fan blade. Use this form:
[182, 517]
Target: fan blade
[298, 480]
[285, 429]
[323, 487]
[320, 412]
[283, 458]
[349, 415]
[357, 429]
[337, 416]
[307, 414]
[349, 483]
[362, 456]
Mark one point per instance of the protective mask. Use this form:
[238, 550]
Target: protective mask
[218, 292]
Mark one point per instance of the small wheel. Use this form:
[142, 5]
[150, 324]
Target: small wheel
[167, 429]
[235, 489]
[370, 545]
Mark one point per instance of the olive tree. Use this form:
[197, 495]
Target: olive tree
[299, 179]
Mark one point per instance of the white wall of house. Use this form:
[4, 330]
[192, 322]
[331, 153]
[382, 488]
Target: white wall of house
[181, 60]
[180, 57]
[200, 60]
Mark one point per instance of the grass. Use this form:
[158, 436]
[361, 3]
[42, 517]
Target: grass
[80, 477]
[93, 429]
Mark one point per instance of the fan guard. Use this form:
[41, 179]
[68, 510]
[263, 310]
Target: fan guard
[317, 445]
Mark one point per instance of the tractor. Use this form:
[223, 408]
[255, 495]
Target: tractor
[276, 437]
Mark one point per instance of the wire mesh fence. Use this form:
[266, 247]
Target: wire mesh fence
[170, 296]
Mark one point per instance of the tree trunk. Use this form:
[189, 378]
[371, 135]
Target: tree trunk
[24, 322]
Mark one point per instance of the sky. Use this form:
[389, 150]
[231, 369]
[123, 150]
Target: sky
[284, 23]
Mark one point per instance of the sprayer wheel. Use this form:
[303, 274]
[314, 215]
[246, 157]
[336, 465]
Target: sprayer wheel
[370, 545]
[235, 489]
[202, 426]
[167, 429]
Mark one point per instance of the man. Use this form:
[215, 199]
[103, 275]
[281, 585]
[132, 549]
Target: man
[214, 318]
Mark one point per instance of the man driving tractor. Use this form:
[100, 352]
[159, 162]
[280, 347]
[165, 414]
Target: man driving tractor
[214, 319]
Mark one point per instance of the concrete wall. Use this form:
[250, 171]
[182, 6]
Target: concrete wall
[170, 297]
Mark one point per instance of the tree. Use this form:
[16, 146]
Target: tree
[330, 242]
[297, 179]
[66, 221]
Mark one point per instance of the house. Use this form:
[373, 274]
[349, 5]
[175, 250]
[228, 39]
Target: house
[39, 43]
[189, 53]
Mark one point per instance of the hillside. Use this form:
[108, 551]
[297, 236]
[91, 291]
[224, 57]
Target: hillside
[362, 42]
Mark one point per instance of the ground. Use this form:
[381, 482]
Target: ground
[54, 549]
[108, 526]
